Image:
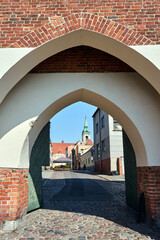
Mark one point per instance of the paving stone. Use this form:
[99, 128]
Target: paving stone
[83, 220]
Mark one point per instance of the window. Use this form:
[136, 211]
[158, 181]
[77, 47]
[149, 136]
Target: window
[96, 127]
[102, 122]
[97, 148]
[103, 145]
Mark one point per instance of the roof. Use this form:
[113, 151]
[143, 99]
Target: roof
[60, 147]
[62, 160]
[95, 112]
[89, 142]
[87, 150]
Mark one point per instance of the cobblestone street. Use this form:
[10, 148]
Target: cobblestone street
[88, 218]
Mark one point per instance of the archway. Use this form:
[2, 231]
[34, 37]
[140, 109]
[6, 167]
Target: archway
[33, 87]
[37, 97]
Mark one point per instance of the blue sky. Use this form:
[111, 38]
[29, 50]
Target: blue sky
[68, 124]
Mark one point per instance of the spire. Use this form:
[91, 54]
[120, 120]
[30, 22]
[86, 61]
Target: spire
[85, 129]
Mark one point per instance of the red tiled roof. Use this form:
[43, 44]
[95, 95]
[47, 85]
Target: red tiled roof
[89, 142]
[60, 147]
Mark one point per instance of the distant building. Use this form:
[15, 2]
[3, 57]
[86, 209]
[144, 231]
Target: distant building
[81, 146]
[59, 150]
[108, 143]
[86, 159]
[69, 151]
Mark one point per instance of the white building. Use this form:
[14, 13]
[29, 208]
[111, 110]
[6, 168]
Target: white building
[108, 143]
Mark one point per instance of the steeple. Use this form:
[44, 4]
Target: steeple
[85, 129]
[85, 132]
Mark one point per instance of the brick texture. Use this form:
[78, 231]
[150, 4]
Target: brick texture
[149, 183]
[13, 194]
[82, 59]
[31, 23]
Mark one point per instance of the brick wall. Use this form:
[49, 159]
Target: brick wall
[21, 17]
[13, 194]
[82, 59]
[149, 183]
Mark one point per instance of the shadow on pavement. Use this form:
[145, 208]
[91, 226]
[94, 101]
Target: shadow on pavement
[100, 198]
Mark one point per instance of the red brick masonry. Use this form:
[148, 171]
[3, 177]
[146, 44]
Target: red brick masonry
[82, 59]
[149, 183]
[18, 18]
[13, 194]
[61, 26]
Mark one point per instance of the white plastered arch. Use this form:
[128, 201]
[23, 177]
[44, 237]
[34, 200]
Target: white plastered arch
[126, 96]
[142, 58]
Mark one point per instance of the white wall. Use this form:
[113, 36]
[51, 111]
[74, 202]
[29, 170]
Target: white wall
[125, 96]
[116, 141]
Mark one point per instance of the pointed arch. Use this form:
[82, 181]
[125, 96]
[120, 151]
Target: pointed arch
[78, 37]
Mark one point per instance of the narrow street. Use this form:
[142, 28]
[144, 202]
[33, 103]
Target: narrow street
[81, 206]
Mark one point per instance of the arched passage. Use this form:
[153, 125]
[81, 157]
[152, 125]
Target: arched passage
[119, 88]
[31, 102]
[126, 96]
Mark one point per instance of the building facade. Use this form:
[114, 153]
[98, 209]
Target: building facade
[108, 143]
[86, 159]
[59, 150]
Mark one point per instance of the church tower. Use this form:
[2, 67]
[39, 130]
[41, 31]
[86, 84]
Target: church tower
[85, 132]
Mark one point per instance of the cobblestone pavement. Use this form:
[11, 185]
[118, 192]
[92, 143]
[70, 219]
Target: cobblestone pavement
[82, 220]
[51, 187]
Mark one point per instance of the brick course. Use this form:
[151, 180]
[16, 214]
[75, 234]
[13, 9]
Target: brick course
[60, 26]
[82, 59]
[19, 18]
[13, 194]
